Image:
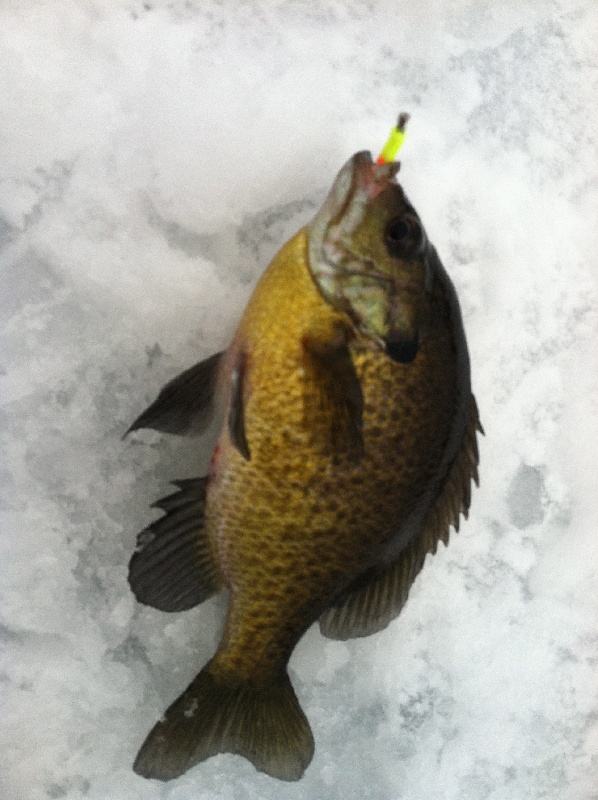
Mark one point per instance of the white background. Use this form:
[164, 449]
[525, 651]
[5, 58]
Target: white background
[153, 158]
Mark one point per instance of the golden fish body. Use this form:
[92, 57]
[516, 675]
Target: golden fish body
[349, 450]
[291, 527]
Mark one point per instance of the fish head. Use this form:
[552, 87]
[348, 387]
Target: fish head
[368, 255]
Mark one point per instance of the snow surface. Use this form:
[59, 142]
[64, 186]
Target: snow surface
[154, 157]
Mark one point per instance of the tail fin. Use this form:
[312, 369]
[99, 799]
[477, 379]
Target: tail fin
[264, 724]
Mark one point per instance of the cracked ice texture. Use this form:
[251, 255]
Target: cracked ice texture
[155, 156]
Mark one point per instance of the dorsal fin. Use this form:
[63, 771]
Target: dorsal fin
[378, 596]
[173, 567]
[186, 404]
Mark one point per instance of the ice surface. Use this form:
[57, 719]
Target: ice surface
[154, 157]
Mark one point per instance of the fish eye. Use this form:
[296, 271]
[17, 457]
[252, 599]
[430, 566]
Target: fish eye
[402, 236]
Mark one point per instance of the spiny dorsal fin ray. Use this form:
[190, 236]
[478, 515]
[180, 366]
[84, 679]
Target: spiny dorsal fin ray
[378, 596]
[185, 406]
[173, 567]
[265, 724]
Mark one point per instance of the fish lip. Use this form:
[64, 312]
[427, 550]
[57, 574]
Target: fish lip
[372, 178]
[402, 349]
[370, 273]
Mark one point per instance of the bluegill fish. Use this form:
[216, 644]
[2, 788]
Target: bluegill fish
[348, 450]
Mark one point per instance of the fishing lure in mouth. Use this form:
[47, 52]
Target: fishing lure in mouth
[347, 452]
[389, 152]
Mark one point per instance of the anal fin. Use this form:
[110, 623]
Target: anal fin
[378, 596]
[173, 567]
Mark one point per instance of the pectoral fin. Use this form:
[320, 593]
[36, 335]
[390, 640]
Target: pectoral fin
[186, 404]
[173, 567]
[378, 596]
[333, 400]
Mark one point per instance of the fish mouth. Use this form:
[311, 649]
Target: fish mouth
[402, 349]
[357, 184]
[368, 177]
[380, 307]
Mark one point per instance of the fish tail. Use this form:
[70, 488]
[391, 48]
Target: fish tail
[265, 724]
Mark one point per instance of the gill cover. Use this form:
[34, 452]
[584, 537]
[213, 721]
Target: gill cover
[367, 253]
